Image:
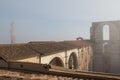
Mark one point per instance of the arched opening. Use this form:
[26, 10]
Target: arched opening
[73, 63]
[105, 46]
[57, 62]
[106, 32]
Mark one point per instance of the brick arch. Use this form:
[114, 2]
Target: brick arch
[57, 62]
[73, 61]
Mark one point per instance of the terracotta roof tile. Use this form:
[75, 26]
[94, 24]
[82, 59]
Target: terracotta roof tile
[16, 51]
[47, 48]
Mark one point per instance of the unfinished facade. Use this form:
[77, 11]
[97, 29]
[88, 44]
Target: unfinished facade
[106, 47]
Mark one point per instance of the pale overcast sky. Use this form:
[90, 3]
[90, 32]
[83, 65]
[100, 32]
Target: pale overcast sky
[38, 20]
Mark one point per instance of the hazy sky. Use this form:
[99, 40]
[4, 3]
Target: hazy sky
[38, 20]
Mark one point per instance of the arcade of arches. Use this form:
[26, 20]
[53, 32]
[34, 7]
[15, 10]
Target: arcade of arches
[72, 62]
[79, 61]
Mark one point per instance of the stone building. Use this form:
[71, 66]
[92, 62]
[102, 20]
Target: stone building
[78, 56]
[74, 54]
[99, 54]
[106, 51]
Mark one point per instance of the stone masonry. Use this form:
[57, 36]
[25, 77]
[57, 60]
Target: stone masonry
[106, 52]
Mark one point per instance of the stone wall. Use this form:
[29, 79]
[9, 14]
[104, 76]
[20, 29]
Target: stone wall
[35, 59]
[106, 52]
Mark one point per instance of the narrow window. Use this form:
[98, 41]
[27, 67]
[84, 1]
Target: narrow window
[106, 32]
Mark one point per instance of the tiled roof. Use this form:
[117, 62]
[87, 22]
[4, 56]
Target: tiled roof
[47, 48]
[16, 51]
[79, 43]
